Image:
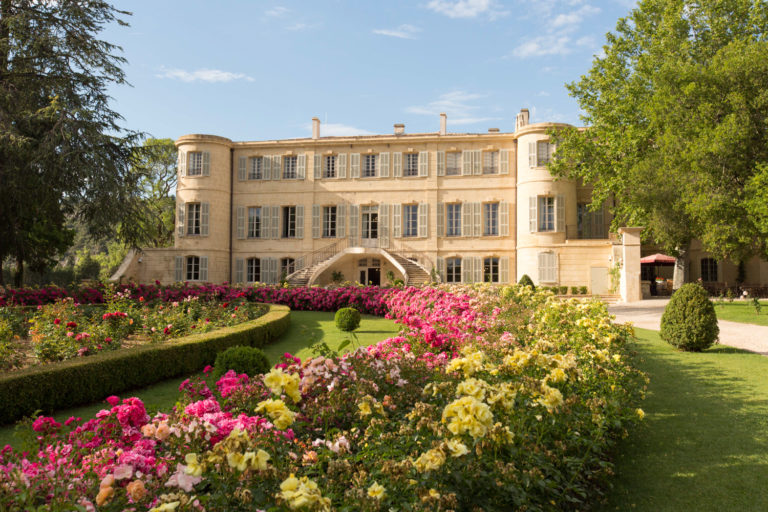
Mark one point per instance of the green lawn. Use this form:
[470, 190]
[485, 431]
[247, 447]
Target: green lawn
[704, 442]
[306, 328]
[742, 311]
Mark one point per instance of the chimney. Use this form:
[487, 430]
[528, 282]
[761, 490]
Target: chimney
[443, 123]
[399, 129]
[522, 119]
[315, 128]
[493, 130]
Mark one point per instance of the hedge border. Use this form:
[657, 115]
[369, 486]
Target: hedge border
[85, 380]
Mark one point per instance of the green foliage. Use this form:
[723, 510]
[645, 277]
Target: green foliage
[583, 290]
[756, 305]
[347, 319]
[337, 276]
[249, 360]
[689, 321]
[574, 290]
[526, 281]
[562, 290]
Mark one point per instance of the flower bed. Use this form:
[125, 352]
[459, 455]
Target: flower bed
[489, 399]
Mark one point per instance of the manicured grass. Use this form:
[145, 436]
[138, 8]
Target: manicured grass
[742, 311]
[307, 327]
[704, 442]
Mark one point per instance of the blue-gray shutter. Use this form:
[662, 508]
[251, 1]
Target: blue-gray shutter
[477, 219]
[504, 269]
[301, 167]
[316, 221]
[467, 275]
[354, 165]
[477, 263]
[560, 207]
[178, 275]
[504, 161]
[423, 220]
[341, 166]
[397, 164]
[441, 269]
[206, 163]
[266, 163]
[466, 164]
[182, 163]
[241, 165]
[204, 214]
[504, 218]
[275, 222]
[300, 222]
[384, 165]
[531, 154]
[466, 219]
[440, 220]
[441, 163]
[423, 163]
[354, 223]
[532, 211]
[204, 268]
[317, 167]
[397, 224]
[384, 226]
[182, 210]
[341, 218]
[239, 270]
[240, 221]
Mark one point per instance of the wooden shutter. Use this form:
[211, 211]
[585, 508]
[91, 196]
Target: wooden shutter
[275, 222]
[466, 162]
[504, 161]
[316, 221]
[300, 221]
[423, 163]
[204, 268]
[341, 166]
[531, 154]
[266, 164]
[532, 210]
[277, 168]
[182, 210]
[341, 217]
[396, 221]
[466, 219]
[182, 163]
[467, 275]
[206, 163]
[551, 151]
[301, 167]
[504, 218]
[560, 207]
[397, 164]
[241, 164]
[441, 269]
[240, 221]
[477, 263]
[266, 223]
[384, 165]
[384, 226]
[441, 163]
[317, 167]
[504, 269]
[477, 162]
[440, 220]
[178, 274]
[354, 171]
[205, 209]
[423, 220]
[354, 223]
[477, 219]
[239, 270]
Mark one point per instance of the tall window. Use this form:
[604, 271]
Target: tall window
[453, 270]
[193, 268]
[256, 169]
[329, 222]
[590, 224]
[287, 267]
[453, 219]
[289, 167]
[708, 270]
[547, 267]
[254, 222]
[543, 153]
[490, 270]
[289, 222]
[369, 166]
[410, 219]
[410, 164]
[490, 162]
[193, 218]
[329, 166]
[490, 219]
[452, 163]
[546, 213]
[253, 270]
[195, 163]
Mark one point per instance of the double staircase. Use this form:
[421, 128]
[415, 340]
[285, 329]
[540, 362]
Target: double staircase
[415, 274]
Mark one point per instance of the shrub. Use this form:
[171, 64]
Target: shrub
[574, 290]
[347, 319]
[248, 360]
[526, 281]
[563, 290]
[689, 321]
[583, 290]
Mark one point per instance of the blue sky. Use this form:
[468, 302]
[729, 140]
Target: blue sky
[254, 70]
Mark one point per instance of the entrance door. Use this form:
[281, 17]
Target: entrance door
[598, 280]
[374, 276]
[370, 226]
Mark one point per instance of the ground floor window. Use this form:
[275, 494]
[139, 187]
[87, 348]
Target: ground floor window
[193, 268]
[709, 270]
[253, 270]
[547, 267]
[453, 270]
[287, 267]
[490, 270]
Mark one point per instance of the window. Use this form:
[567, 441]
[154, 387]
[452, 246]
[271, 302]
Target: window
[329, 166]
[289, 222]
[410, 164]
[195, 163]
[543, 153]
[289, 167]
[410, 219]
[369, 166]
[256, 169]
[329, 222]
[254, 222]
[287, 267]
[193, 218]
[363, 262]
[491, 270]
[546, 213]
[490, 219]
[253, 270]
[590, 224]
[547, 267]
[491, 162]
[709, 270]
[193, 268]
[453, 219]
[453, 270]
[453, 163]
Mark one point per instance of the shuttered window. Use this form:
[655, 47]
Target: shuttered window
[547, 267]
[194, 215]
[453, 219]
[410, 220]
[195, 163]
[453, 163]
[410, 164]
[491, 270]
[453, 270]
[254, 222]
[329, 222]
[490, 219]
[423, 220]
[256, 168]
[290, 167]
[329, 166]
[490, 162]
[369, 166]
[287, 267]
[384, 165]
[253, 270]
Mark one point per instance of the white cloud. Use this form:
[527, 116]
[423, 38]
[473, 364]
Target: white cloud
[338, 130]
[403, 32]
[277, 12]
[297, 27]
[466, 8]
[202, 75]
[543, 93]
[454, 103]
[551, 45]
[573, 19]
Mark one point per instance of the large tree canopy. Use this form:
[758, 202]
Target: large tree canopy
[63, 155]
[677, 116]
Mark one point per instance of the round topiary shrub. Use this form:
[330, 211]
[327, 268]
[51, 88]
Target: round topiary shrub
[249, 360]
[526, 281]
[689, 321]
[347, 319]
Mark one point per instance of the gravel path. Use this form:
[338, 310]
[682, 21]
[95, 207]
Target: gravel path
[646, 314]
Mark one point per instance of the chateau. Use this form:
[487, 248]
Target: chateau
[468, 207]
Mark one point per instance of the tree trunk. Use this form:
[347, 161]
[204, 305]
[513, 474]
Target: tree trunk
[681, 268]
[18, 277]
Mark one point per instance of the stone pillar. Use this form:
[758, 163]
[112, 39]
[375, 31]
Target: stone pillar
[630, 268]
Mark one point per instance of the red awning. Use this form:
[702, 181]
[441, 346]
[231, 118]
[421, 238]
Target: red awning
[658, 259]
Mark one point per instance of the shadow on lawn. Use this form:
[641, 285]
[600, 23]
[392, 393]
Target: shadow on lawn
[704, 443]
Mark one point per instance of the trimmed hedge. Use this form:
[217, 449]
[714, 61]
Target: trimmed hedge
[86, 380]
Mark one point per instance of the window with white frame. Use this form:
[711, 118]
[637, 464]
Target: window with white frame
[453, 219]
[490, 219]
[289, 222]
[369, 166]
[410, 220]
[194, 211]
[453, 270]
[547, 267]
[329, 166]
[453, 163]
[543, 153]
[195, 163]
[254, 222]
[491, 270]
[289, 167]
[410, 164]
[253, 270]
[193, 268]
[256, 168]
[287, 267]
[490, 162]
[546, 213]
[329, 222]
[709, 270]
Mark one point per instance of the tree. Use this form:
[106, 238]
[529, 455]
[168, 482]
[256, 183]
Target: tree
[63, 155]
[676, 109]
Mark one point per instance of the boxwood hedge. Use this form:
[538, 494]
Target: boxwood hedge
[86, 380]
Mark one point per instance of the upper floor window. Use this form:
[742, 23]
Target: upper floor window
[369, 166]
[194, 211]
[546, 213]
[256, 168]
[453, 270]
[329, 166]
[287, 267]
[195, 163]
[289, 222]
[453, 219]
[193, 268]
[410, 219]
[491, 270]
[410, 164]
[453, 163]
[708, 270]
[491, 162]
[289, 167]
[490, 219]
[329, 222]
[254, 222]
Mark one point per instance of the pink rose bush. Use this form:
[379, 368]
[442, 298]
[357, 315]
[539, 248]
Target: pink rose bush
[489, 398]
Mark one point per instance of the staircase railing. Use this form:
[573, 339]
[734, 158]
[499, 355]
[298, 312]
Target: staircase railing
[320, 255]
[405, 251]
